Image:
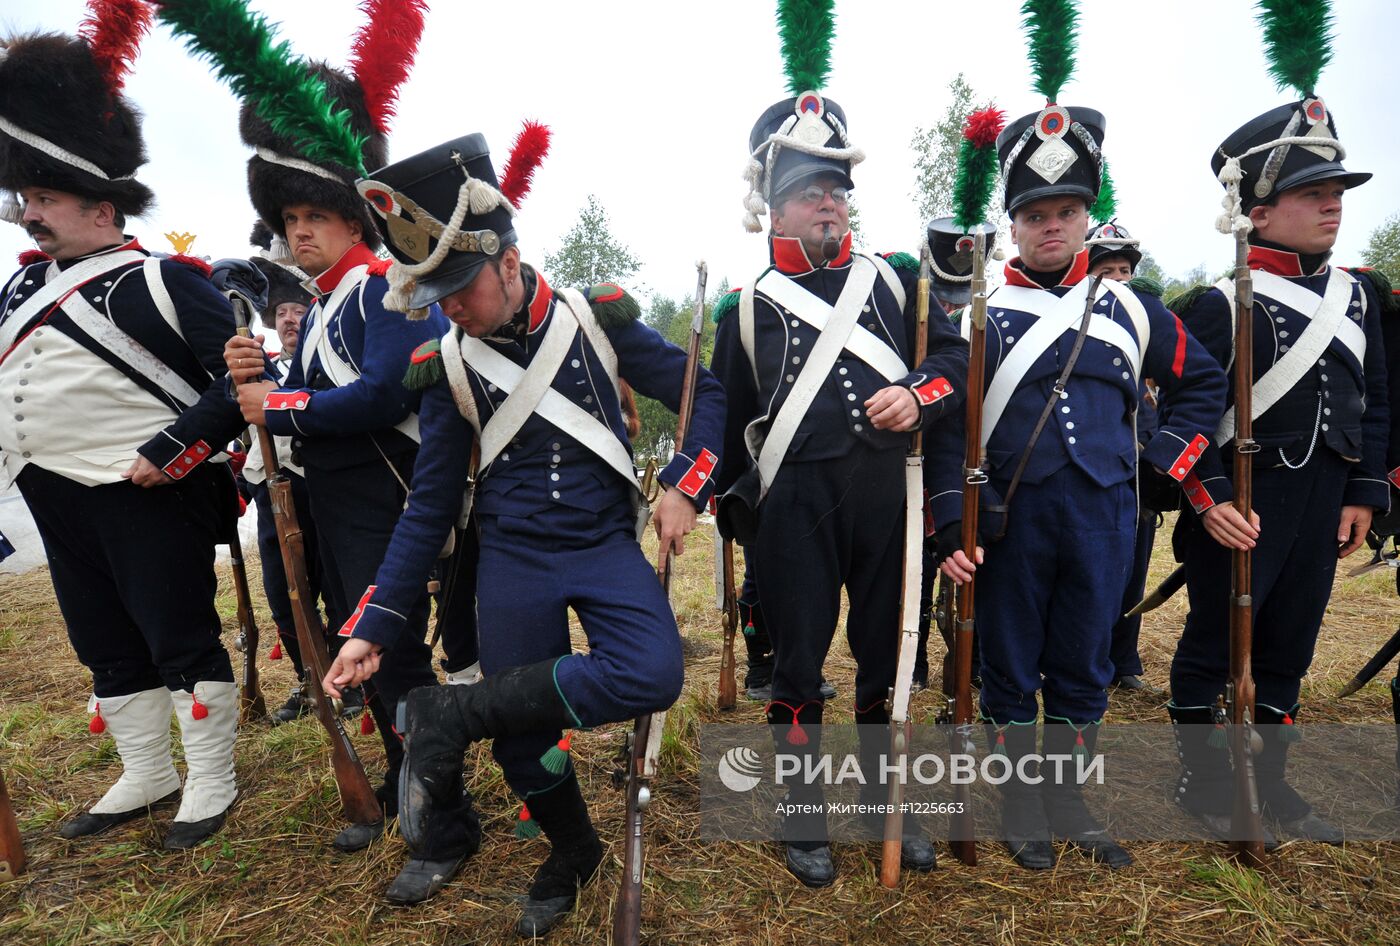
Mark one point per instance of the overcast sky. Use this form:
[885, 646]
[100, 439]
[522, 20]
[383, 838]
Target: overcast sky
[651, 105]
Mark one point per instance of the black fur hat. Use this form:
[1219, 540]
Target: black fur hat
[51, 88]
[283, 285]
[273, 186]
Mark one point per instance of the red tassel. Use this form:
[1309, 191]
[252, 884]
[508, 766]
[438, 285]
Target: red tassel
[1287, 720]
[113, 29]
[796, 736]
[276, 653]
[366, 724]
[1078, 739]
[383, 52]
[97, 724]
[197, 709]
[530, 148]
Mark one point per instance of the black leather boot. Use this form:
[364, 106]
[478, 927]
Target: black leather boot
[797, 731]
[438, 723]
[1023, 826]
[1395, 709]
[1285, 808]
[1065, 809]
[573, 860]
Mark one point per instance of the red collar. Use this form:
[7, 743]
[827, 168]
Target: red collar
[1278, 262]
[790, 256]
[1016, 275]
[357, 255]
[539, 302]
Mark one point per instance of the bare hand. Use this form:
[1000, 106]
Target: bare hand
[893, 408]
[250, 401]
[675, 516]
[1351, 531]
[146, 474]
[357, 661]
[959, 568]
[244, 358]
[1227, 526]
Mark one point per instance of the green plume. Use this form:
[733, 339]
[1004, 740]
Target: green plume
[265, 73]
[806, 27]
[1297, 41]
[1050, 27]
[972, 188]
[1106, 204]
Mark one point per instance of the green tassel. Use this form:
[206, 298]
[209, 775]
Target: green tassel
[556, 758]
[999, 747]
[750, 630]
[1218, 737]
[1050, 28]
[425, 367]
[1297, 42]
[612, 306]
[727, 303]
[1080, 751]
[277, 84]
[526, 827]
[902, 261]
[1106, 204]
[806, 27]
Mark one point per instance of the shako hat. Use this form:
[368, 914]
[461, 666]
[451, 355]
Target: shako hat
[1112, 239]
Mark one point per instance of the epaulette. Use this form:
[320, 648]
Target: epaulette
[380, 267]
[611, 305]
[727, 303]
[193, 262]
[1146, 284]
[30, 257]
[1380, 284]
[424, 366]
[1186, 298]
[902, 261]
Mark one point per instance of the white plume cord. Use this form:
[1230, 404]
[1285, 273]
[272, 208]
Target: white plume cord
[1234, 220]
[57, 153]
[297, 164]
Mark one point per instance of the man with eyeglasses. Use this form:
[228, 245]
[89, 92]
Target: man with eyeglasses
[815, 357]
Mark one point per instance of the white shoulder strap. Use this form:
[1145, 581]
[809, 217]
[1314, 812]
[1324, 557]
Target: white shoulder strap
[746, 328]
[456, 370]
[891, 279]
[525, 389]
[583, 313]
[161, 295]
[60, 282]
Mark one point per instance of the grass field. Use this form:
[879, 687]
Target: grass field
[271, 876]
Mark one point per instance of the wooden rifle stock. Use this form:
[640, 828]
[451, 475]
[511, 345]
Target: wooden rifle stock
[960, 822]
[1246, 829]
[251, 703]
[645, 745]
[357, 798]
[11, 847]
[728, 687]
[910, 591]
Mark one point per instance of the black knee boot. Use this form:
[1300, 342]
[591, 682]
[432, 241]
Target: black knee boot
[1277, 799]
[797, 731]
[1395, 710]
[1069, 816]
[573, 859]
[1023, 826]
[438, 723]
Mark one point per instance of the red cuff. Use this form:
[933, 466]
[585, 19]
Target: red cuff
[349, 628]
[1196, 493]
[1394, 477]
[1182, 464]
[187, 461]
[286, 400]
[932, 390]
[698, 475]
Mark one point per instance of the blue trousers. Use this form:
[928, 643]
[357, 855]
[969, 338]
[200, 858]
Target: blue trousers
[1048, 595]
[523, 598]
[1293, 564]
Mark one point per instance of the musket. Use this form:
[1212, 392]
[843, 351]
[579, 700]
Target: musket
[1373, 666]
[1161, 594]
[357, 799]
[644, 747]
[251, 704]
[1238, 700]
[912, 587]
[961, 838]
[11, 847]
[729, 607]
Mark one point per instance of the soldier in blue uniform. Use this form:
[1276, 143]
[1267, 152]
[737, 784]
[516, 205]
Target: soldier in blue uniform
[1114, 254]
[1063, 374]
[530, 377]
[1322, 423]
[829, 472]
[111, 430]
[352, 423]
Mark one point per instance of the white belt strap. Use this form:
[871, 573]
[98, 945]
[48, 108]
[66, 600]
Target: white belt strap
[528, 389]
[53, 290]
[1327, 315]
[817, 312]
[109, 336]
[828, 348]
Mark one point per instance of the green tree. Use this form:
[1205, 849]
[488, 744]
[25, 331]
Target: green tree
[672, 320]
[936, 152]
[1383, 249]
[590, 254]
[856, 235]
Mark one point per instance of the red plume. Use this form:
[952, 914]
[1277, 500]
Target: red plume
[983, 127]
[383, 52]
[530, 147]
[113, 28]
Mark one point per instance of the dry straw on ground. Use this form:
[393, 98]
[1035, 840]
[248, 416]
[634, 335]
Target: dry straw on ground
[271, 877]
